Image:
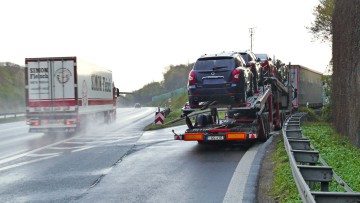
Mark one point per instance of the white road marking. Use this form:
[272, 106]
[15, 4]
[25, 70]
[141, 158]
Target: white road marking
[31, 152]
[25, 163]
[236, 188]
[43, 155]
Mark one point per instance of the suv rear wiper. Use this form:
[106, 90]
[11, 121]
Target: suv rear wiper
[219, 67]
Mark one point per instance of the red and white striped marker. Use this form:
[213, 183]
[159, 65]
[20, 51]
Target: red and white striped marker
[159, 118]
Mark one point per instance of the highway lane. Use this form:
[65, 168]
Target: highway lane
[120, 163]
[160, 169]
[55, 171]
[15, 139]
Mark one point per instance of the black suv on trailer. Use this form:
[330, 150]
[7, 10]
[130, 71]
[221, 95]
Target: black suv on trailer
[220, 79]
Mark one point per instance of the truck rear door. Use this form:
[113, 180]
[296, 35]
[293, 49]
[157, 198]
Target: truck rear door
[51, 83]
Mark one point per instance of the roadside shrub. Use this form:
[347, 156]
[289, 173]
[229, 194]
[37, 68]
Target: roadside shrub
[326, 113]
[311, 114]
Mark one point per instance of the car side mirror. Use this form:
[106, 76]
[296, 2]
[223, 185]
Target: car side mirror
[258, 60]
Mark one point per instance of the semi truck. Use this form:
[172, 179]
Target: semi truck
[307, 87]
[63, 94]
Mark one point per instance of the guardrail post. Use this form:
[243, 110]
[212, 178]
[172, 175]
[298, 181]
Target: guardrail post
[293, 127]
[322, 174]
[306, 157]
[300, 144]
[293, 133]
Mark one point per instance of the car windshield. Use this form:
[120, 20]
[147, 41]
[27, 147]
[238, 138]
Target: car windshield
[245, 57]
[214, 63]
[262, 57]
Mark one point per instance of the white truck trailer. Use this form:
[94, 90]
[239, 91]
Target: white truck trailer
[65, 93]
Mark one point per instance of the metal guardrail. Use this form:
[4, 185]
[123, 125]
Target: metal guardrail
[11, 115]
[305, 165]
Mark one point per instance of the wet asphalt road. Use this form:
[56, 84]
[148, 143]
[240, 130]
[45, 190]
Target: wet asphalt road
[113, 163]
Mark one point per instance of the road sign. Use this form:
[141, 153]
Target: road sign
[159, 118]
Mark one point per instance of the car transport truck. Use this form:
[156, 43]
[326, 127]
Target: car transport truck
[66, 93]
[251, 118]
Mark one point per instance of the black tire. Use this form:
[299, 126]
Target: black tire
[266, 127]
[201, 121]
[282, 120]
[261, 77]
[251, 89]
[242, 87]
[255, 79]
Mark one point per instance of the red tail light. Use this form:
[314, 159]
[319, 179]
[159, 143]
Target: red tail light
[36, 123]
[192, 79]
[68, 122]
[235, 75]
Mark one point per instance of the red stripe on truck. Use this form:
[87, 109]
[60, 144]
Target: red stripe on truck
[68, 102]
[100, 102]
[50, 103]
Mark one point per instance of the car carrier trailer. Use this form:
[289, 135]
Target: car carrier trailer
[252, 120]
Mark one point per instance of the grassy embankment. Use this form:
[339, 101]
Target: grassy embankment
[336, 150]
[175, 106]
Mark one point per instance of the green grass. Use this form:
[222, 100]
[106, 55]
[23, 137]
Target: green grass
[336, 150]
[175, 105]
[284, 187]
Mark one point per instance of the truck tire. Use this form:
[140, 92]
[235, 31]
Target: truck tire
[266, 127]
[242, 88]
[261, 77]
[255, 78]
[282, 119]
[201, 121]
[251, 89]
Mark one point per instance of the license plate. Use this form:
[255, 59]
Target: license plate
[215, 137]
[213, 81]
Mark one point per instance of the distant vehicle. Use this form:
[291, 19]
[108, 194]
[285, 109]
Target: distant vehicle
[64, 93]
[220, 78]
[137, 105]
[307, 87]
[267, 65]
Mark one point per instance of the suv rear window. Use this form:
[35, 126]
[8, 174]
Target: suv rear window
[214, 63]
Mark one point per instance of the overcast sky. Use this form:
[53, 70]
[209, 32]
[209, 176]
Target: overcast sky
[138, 39]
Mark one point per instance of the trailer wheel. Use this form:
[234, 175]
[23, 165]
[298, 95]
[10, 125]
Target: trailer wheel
[266, 127]
[255, 78]
[261, 78]
[251, 89]
[282, 120]
[201, 121]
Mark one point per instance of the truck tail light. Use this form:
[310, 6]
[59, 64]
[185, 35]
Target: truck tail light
[69, 122]
[36, 123]
[235, 75]
[192, 78]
